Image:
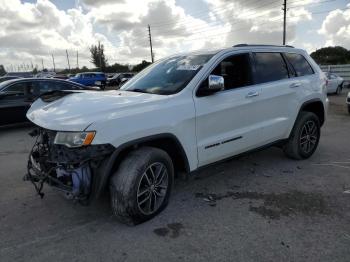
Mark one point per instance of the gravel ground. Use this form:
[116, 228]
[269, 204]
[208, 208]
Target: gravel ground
[260, 207]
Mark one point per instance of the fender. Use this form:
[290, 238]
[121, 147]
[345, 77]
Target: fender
[311, 101]
[104, 171]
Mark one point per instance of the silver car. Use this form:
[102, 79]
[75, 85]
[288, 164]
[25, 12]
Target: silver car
[334, 83]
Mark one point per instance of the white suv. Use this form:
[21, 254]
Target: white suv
[178, 115]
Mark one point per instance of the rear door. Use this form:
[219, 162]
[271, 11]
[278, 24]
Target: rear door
[278, 95]
[14, 103]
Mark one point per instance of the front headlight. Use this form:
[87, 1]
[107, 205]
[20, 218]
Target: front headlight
[74, 139]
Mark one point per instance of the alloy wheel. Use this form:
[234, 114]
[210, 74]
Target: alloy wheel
[308, 137]
[152, 188]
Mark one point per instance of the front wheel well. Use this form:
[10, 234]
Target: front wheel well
[315, 107]
[167, 143]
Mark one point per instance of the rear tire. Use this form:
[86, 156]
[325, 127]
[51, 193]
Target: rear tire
[304, 138]
[141, 187]
[339, 90]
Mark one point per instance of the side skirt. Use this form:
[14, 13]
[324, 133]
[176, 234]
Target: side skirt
[277, 143]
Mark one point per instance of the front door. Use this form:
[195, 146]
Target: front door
[227, 122]
[14, 104]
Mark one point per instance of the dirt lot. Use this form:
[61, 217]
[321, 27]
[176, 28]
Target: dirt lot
[261, 207]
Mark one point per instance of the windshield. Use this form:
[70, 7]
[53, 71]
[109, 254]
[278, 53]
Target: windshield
[168, 76]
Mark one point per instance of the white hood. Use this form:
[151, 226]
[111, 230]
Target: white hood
[75, 112]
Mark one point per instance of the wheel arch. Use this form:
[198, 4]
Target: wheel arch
[315, 106]
[166, 141]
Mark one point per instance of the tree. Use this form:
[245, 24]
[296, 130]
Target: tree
[141, 66]
[117, 68]
[98, 57]
[331, 55]
[2, 70]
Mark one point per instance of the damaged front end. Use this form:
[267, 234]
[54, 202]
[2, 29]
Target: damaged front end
[71, 170]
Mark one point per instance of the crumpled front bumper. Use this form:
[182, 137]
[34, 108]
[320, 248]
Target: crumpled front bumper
[72, 171]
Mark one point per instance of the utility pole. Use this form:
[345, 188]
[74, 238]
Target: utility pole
[42, 63]
[150, 42]
[53, 62]
[284, 20]
[68, 60]
[77, 60]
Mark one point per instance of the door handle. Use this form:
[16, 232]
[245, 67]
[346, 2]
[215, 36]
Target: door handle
[252, 94]
[295, 85]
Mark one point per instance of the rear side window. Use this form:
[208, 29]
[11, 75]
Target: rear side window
[270, 67]
[300, 64]
[47, 86]
[17, 88]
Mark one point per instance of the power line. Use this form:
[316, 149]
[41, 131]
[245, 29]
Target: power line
[316, 3]
[272, 20]
[185, 21]
[203, 29]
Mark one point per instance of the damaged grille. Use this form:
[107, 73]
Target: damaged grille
[68, 169]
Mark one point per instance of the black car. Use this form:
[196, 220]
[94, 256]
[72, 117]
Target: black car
[118, 78]
[17, 95]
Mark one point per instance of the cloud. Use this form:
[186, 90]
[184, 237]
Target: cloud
[100, 2]
[35, 30]
[336, 28]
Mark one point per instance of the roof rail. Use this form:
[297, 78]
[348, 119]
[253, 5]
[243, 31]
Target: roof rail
[242, 45]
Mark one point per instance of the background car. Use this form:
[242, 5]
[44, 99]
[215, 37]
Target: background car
[118, 78]
[48, 74]
[334, 83]
[20, 74]
[5, 78]
[90, 79]
[17, 95]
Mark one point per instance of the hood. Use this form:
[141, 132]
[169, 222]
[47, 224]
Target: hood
[77, 111]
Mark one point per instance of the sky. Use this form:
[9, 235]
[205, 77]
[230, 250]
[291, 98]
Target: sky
[32, 31]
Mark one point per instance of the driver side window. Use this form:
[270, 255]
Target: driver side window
[235, 70]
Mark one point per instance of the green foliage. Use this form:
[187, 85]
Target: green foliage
[331, 56]
[141, 66]
[117, 68]
[98, 57]
[2, 70]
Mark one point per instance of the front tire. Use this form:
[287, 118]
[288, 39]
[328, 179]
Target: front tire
[141, 187]
[304, 137]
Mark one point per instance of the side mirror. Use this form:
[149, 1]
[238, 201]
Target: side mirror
[215, 84]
